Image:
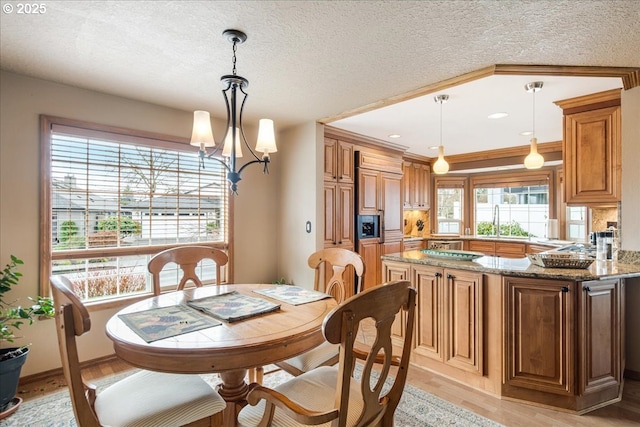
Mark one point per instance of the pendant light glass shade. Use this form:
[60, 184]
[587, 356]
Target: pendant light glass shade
[534, 160]
[440, 166]
[226, 148]
[266, 137]
[202, 136]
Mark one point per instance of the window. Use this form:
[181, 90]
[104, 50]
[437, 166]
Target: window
[449, 205]
[511, 206]
[577, 223]
[112, 198]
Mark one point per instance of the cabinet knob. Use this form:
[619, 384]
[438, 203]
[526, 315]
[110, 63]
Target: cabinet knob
[340, 243]
[586, 289]
[449, 276]
[334, 243]
[565, 289]
[438, 274]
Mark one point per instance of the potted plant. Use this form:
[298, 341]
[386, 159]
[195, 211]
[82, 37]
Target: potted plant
[11, 318]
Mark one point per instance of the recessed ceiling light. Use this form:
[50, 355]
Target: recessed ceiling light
[394, 135]
[500, 115]
[433, 147]
[526, 133]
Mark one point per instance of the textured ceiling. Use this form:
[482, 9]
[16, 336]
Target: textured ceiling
[307, 60]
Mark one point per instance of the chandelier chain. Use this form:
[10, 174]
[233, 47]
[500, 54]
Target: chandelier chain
[235, 46]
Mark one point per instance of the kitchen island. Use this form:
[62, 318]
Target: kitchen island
[545, 336]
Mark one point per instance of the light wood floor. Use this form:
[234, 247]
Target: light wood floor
[625, 413]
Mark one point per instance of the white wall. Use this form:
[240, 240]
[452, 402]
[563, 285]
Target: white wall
[22, 100]
[630, 207]
[301, 198]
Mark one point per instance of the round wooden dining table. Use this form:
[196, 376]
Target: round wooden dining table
[228, 349]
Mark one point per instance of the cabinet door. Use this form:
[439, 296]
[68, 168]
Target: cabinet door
[369, 250]
[539, 339]
[592, 158]
[368, 192]
[463, 320]
[600, 337]
[422, 178]
[330, 159]
[345, 163]
[338, 161]
[330, 214]
[428, 282]
[408, 185]
[393, 224]
[345, 215]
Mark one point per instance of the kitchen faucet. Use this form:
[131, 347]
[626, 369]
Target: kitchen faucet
[496, 219]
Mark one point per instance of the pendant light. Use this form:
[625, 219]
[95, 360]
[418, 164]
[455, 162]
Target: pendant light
[441, 166]
[534, 160]
[235, 97]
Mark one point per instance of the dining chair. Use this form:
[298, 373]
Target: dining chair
[145, 398]
[187, 258]
[331, 395]
[326, 354]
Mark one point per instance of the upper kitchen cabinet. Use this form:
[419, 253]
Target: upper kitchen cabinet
[592, 147]
[416, 185]
[338, 161]
[339, 203]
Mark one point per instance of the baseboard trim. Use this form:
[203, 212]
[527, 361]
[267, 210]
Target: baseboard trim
[58, 371]
[632, 375]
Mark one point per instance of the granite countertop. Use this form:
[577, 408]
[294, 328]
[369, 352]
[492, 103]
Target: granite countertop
[521, 267]
[534, 240]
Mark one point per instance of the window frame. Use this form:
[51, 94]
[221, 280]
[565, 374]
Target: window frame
[451, 182]
[127, 136]
[517, 178]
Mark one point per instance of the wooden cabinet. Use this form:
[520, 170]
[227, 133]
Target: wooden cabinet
[449, 313]
[600, 340]
[338, 215]
[540, 339]
[338, 161]
[498, 248]
[592, 144]
[416, 185]
[463, 320]
[564, 341]
[369, 250]
[486, 247]
[413, 245]
[339, 203]
[510, 249]
[379, 184]
[535, 249]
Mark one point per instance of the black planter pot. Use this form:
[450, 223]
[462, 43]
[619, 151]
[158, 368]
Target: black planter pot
[9, 376]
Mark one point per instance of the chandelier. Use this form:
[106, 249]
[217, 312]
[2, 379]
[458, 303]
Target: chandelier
[235, 98]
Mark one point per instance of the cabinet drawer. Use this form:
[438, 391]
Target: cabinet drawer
[413, 245]
[487, 248]
[510, 250]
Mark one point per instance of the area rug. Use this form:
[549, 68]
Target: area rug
[417, 408]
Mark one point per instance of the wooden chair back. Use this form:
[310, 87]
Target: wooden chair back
[339, 259]
[72, 320]
[383, 305]
[187, 258]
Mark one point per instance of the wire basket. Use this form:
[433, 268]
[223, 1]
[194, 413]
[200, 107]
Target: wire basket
[559, 260]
